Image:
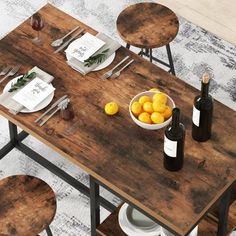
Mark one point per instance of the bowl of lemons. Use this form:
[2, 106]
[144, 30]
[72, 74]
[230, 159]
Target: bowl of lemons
[151, 109]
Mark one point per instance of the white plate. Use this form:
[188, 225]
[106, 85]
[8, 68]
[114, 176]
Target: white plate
[106, 63]
[42, 105]
[192, 233]
[131, 230]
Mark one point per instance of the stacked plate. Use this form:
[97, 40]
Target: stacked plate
[103, 65]
[134, 223]
[87, 46]
[40, 106]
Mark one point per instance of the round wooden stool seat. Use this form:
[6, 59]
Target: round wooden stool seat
[27, 206]
[147, 25]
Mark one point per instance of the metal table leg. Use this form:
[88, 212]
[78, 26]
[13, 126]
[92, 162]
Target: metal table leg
[13, 133]
[172, 69]
[223, 214]
[94, 206]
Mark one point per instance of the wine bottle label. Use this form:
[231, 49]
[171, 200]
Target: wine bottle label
[170, 147]
[196, 116]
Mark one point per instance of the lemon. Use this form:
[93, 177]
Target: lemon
[158, 106]
[167, 113]
[161, 97]
[111, 108]
[157, 118]
[154, 90]
[136, 108]
[145, 118]
[144, 99]
[147, 106]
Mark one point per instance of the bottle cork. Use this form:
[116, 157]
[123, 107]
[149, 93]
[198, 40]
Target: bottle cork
[205, 78]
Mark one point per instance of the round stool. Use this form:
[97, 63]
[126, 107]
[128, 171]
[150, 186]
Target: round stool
[147, 26]
[27, 206]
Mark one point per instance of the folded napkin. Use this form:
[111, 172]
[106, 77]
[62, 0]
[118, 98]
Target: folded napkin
[109, 43]
[6, 98]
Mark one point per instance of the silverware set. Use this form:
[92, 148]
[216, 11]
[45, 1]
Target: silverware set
[9, 71]
[60, 42]
[117, 74]
[111, 73]
[60, 104]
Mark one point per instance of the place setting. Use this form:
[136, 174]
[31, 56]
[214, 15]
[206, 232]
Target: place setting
[33, 92]
[88, 53]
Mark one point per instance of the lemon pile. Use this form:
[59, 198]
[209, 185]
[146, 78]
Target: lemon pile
[152, 110]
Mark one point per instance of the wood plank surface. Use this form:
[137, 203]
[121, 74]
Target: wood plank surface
[147, 25]
[27, 206]
[123, 156]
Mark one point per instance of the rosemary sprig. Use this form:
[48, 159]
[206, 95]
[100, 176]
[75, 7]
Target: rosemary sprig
[99, 58]
[22, 81]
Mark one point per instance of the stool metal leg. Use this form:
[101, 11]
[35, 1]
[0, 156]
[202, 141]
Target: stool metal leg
[49, 232]
[128, 46]
[150, 54]
[172, 69]
[141, 52]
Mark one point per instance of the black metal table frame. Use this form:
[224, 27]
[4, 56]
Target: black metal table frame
[147, 52]
[93, 192]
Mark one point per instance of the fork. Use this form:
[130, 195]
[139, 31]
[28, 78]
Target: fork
[5, 70]
[109, 73]
[117, 74]
[12, 72]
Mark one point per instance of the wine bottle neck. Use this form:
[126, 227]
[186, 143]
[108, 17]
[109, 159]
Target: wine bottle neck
[175, 119]
[204, 90]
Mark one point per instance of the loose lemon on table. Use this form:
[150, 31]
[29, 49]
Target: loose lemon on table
[158, 106]
[157, 118]
[136, 108]
[167, 113]
[161, 97]
[154, 90]
[145, 118]
[144, 99]
[111, 108]
[147, 106]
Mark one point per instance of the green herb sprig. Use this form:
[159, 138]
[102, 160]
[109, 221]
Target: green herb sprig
[22, 81]
[99, 58]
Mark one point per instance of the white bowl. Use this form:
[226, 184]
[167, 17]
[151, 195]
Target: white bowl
[170, 103]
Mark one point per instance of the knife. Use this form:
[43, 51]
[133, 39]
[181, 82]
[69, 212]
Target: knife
[51, 107]
[62, 105]
[68, 41]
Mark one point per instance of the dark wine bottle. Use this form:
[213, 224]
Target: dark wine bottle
[174, 143]
[202, 112]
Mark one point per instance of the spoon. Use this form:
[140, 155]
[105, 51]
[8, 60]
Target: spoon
[59, 41]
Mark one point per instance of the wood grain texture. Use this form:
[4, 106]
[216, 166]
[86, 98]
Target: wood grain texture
[207, 227]
[147, 25]
[123, 156]
[27, 206]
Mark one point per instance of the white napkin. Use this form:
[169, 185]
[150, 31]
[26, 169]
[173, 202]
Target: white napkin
[15, 107]
[109, 43]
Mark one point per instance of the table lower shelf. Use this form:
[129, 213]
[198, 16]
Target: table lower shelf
[208, 226]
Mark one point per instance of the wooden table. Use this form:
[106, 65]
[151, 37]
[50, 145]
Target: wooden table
[115, 152]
